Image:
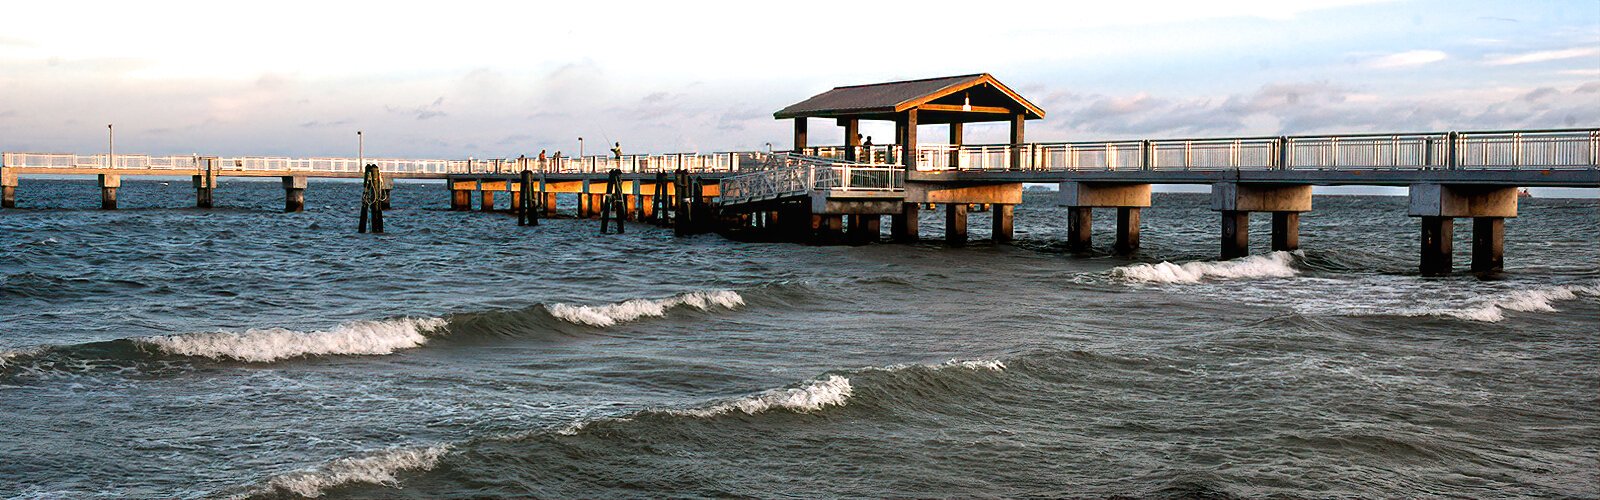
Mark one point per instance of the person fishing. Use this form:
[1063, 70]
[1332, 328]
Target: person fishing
[867, 148]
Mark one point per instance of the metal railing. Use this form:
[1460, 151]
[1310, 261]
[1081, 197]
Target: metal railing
[694, 162]
[1565, 149]
[793, 175]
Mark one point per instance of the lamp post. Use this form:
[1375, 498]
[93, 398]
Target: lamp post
[361, 151]
[580, 149]
[111, 149]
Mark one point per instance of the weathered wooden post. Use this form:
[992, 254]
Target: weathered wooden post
[108, 190]
[8, 188]
[372, 194]
[611, 204]
[527, 213]
[205, 184]
[680, 202]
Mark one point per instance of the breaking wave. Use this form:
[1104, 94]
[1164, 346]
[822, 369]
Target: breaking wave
[272, 344]
[832, 390]
[377, 468]
[1273, 265]
[622, 312]
[1492, 309]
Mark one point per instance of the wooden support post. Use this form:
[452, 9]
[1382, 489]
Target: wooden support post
[903, 226]
[1235, 234]
[371, 200]
[1002, 227]
[800, 135]
[827, 229]
[1080, 225]
[852, 137]
[1017, 121]
[909, 146]
[108, 190]
[955, 223]
[294, 193]
[613, 206]
[1285, 231]
[1437, 233]
[1488, 244]
[1127, 231]
[955, 143]
[526, 203]
[386, 189]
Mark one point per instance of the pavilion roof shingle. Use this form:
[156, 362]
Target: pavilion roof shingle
[878, 97]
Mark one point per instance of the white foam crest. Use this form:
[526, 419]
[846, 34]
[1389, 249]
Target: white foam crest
[271, 344]
[832, 390]
[378, 468]
[1273, 265]
[622, 312]
[1493, 308]
[975, 364]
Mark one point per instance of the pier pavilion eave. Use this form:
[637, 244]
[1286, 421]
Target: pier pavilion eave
[954, 99]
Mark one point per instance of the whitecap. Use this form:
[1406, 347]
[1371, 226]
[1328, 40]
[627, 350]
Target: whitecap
[832, 390]
[376, 468]
[1273, 265]
[1492, 309]
[271, 344]
[630, 310]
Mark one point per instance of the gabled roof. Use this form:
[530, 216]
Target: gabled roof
[881, 100]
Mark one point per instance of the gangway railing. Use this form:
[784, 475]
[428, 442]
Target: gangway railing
[801, 174]
[693, 162]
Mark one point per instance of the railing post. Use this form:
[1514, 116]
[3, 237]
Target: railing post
[1452, 141]
[1146, 155]
[1283, 153]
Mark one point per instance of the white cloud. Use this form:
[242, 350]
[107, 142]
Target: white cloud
[1407, 58]
[1543, 56]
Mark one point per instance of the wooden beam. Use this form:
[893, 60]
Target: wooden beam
[852, 137]
[910, 146]
[800, 134]
[997, 110]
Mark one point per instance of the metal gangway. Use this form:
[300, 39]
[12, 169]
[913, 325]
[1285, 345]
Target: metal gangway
[788, 175]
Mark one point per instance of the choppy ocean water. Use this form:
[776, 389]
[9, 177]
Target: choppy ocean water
[160, 351]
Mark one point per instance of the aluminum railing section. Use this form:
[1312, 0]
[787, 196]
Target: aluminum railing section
[804, 173]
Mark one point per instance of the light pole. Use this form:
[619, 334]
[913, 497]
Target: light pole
[111, 148]
[361, 151]
[580, 149]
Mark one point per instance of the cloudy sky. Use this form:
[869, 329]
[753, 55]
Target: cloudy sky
[464, 78]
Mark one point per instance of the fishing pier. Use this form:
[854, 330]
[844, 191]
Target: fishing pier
[841, 193]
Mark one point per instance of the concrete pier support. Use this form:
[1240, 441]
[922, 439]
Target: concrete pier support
[1285, 231]
[1127, 231]
[8, 189]
[204, 188]
[294, 193]
[461, 194]
[549, 204]
[1439, 204]
[827, 229]
[1437, 233]
[108, 190]
[1081, 197]
[486, 200]
[955, 223]
[863, 228]
[903, 226]
[1235, 234]
[1488, 244]
[516, 200]
[1235, 201]
[1080, 224]
[1002, 231]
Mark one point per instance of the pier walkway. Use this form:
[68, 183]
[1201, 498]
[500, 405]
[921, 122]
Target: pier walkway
[832, 194]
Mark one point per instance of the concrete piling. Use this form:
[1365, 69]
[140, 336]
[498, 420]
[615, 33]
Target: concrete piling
[1285, 231]
[1080, 225]
[903, 226]
[1001, 230]
[1488, 244]
[294, 193]
[204, 186]
[1127, 231]
[955, 223]
[1437, 233]
[8, 189]
[108, 190]
[1235, 234]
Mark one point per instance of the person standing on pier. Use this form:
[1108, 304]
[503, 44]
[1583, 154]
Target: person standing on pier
[541, 159]
[866, 147]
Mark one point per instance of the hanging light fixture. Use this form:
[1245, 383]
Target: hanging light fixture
[966, 104]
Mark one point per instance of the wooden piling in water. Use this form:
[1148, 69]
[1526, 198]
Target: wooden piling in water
[372, 194]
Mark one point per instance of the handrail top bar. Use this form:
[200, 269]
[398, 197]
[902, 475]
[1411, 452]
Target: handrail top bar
[1593, 130]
